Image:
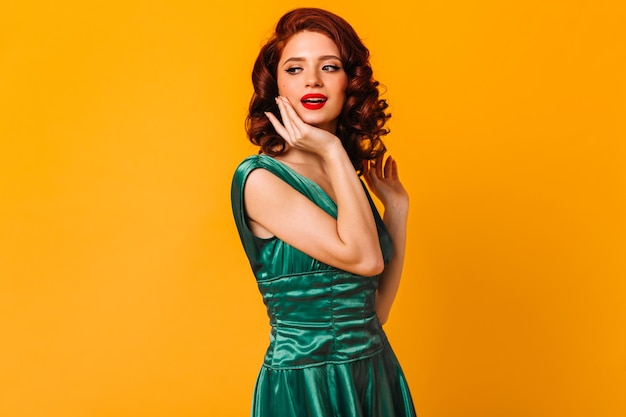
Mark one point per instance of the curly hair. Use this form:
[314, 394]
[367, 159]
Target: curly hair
[361, 122]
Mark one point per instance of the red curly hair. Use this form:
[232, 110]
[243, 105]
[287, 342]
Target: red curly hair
[362, 119]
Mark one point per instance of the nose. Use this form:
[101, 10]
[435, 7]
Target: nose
[313, 79]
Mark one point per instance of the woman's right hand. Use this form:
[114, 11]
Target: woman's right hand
[347, 241]
[297, 133]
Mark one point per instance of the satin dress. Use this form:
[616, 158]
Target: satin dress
[328, 354]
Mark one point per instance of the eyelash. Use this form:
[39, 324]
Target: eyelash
[327, 67]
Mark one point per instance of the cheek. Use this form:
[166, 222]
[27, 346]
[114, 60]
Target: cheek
[341, 89]
[285, 88]
[344, 85]
[282, 84]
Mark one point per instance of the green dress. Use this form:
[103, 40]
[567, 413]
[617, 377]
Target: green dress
[328, 354]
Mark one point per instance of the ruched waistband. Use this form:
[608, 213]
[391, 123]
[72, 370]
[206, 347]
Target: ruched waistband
[321, 317]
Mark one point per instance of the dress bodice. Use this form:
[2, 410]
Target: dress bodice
[318, 313]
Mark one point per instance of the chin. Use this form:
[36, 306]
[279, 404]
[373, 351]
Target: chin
[326, 126]
[321, 123]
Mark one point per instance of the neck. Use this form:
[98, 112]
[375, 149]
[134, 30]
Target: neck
[299, 157]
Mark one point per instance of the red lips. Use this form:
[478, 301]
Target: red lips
[313, 101]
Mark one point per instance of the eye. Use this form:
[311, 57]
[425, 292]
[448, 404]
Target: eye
[293, 70]
[331, 68]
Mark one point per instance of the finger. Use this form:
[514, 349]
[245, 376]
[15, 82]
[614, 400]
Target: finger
[388, 166]
[287, 122]
[374, 172]
[291, 112]
[366, 172]
[379, 166]
[394, 171]
[296, 123]
[365, 167]
[280, 129]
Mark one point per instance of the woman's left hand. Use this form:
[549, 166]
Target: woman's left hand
[381, 176]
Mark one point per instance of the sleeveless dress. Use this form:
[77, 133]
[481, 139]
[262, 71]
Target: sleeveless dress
[328, 354]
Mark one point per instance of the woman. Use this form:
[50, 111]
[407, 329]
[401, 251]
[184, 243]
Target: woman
[327, 265]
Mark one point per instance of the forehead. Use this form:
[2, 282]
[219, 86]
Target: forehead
[309, 44]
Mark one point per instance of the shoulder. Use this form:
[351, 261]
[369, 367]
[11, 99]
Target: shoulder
[243, 171]
[263, 182]
[253, 162]
[259, 175]
[247, 165]
[267, 167]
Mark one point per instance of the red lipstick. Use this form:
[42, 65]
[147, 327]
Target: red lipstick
[313, 101]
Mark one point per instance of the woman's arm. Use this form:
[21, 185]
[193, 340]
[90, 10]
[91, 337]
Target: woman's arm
[351, 241]
[385, 184]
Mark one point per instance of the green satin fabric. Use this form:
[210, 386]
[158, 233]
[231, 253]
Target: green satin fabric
[328, 354]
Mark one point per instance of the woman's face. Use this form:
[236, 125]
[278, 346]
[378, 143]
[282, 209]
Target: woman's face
[311, 76]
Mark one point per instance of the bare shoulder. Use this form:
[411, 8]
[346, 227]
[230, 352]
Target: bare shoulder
[264, 190]
[262, 184]
[267, 200]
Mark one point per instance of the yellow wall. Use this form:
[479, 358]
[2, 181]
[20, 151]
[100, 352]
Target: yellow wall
[123, 287]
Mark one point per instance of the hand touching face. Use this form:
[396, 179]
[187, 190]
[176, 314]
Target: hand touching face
[297, 133]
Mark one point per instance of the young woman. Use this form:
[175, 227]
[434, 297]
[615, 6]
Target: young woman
[327, 265]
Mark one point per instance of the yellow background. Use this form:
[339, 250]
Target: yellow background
[123, 287]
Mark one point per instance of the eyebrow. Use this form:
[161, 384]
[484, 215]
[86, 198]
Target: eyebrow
[321, 58]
